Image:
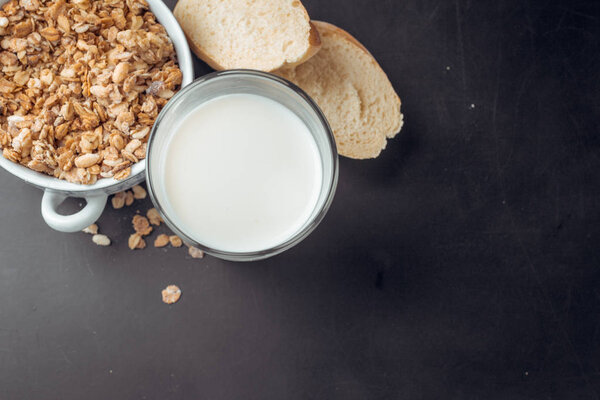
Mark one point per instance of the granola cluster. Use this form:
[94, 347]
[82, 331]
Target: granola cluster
[81, 84]
[171, 294]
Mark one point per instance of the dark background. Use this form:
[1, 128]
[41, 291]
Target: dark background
[464, 263]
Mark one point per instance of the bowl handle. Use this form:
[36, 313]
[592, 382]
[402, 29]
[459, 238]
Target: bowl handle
[75, 222]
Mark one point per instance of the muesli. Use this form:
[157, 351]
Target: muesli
[81, 83]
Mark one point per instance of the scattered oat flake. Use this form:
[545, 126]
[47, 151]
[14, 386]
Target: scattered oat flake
[92, 229]
[171, 294]
[128, 198]
[175, 241]
[101, 240]
[161, 241]
[195, 252]
[154, 217]
[141, 225]
[118, 200]
[139, 192]
[136, 242]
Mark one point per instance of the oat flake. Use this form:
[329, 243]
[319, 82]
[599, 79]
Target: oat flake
[171, 294]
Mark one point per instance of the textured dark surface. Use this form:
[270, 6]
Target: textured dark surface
[464, 263]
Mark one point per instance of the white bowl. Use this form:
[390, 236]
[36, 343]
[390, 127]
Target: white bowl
[56, 190]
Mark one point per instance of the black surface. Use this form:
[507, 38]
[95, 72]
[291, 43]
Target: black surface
[464, 263]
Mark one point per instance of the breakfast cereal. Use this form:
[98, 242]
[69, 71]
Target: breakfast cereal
[101, 240]
[81, 83]
[175, 241]
[161, 240]
[171, 294]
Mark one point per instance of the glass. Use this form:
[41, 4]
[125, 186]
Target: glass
[242, 82]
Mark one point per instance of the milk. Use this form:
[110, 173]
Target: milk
[242, 173]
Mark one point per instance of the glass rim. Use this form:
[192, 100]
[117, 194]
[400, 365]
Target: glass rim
[310, 224]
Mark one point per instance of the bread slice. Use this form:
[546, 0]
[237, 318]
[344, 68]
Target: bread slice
[354, 93]
[254, 34]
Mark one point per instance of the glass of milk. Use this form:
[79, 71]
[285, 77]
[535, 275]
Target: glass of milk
[242, 164]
